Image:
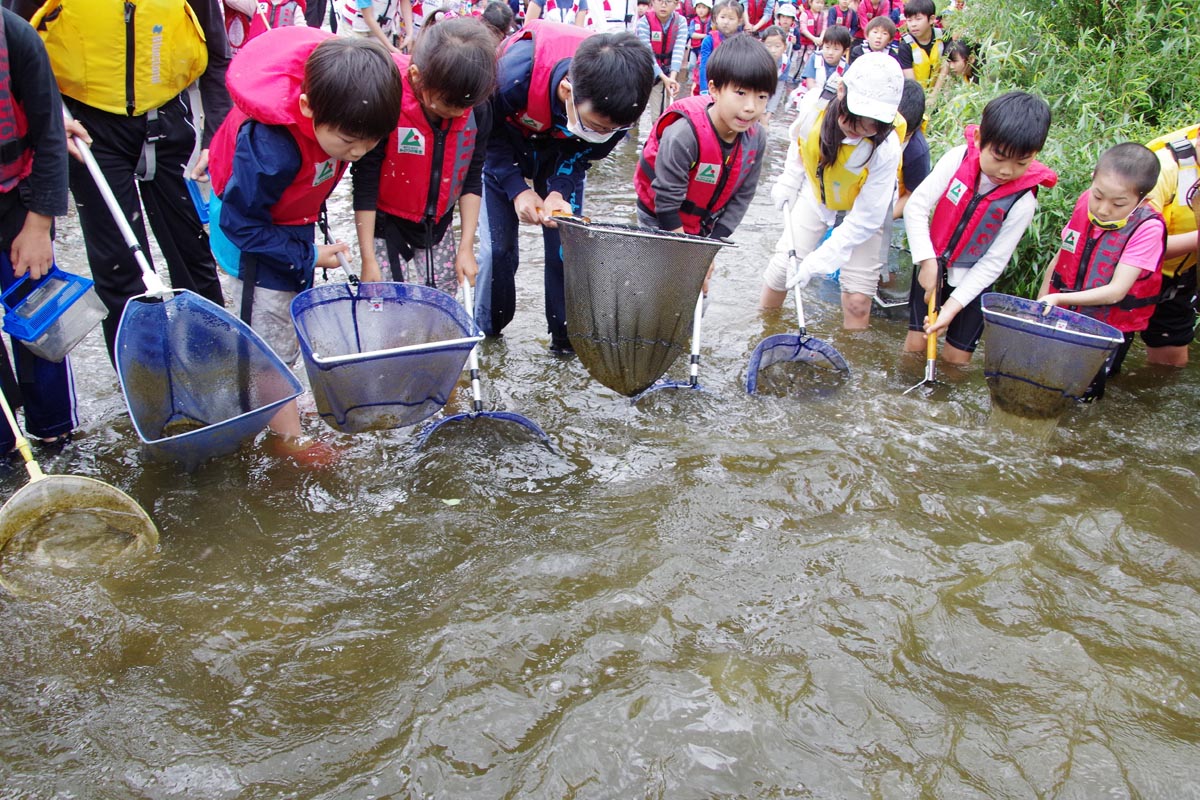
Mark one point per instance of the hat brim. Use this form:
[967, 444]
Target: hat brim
[873, 109]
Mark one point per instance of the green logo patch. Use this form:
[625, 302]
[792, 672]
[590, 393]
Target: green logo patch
[410, 140]
[708, 173]
[956, 191]
[324, 171]
[1070, 240]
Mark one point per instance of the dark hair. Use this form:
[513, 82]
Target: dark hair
[920, 8]
[457, 61]
[743, 61]
[733, 4]
[353, 86]
[912, 104]
[838, 34]
[959, 48]
[613, 72]
[882, 22]
[1015, 124]
[498, 15]
[832, 134]
[770, 30]
[1132, 163]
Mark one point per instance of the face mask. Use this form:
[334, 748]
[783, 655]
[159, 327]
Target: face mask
[1112, 225]
[576, 128]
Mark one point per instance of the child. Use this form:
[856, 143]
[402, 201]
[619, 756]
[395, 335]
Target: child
[664, 31]
[830, 60]
[985, 193]
[451, 73]
[758, 14]
[870, 9]
[842, 14]
[801, 22]
[33, 191]
[498, 16]
[244, 20]
[775, 40]
[566, 98]
[721, 138]
[1110, 263]
[376, 19]
[567, 12]
[698, 29]
[1173, 326]
[881, 38]
[920, 50]
[727, 16]
[307, 103]
[843, 158]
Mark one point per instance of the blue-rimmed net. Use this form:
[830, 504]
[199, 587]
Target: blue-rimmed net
[1037, 365]
[382, 355]
[197, 380]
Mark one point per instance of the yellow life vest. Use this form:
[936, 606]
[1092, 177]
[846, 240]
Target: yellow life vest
[925, 66]
[1170, 194]
[837, 186]
[125, 58]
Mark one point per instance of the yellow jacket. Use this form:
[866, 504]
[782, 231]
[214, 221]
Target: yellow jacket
[925, 66]
[122, 57]
[1169, 197]
[837, 186]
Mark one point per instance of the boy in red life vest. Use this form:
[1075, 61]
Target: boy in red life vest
[664, 31]
[565, 100]
[700, 166]
[33, 191]
[1110, 263]
[306, 104]
[985, 193]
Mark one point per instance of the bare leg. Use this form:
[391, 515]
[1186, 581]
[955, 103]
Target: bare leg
[771, 298]
[1169, 356]
[856, 311]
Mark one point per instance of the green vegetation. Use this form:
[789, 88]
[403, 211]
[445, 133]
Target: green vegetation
[1111, 72]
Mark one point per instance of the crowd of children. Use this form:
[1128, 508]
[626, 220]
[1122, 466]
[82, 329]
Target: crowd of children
[504, 126]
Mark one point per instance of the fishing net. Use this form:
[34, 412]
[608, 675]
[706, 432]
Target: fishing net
[630, 297]
[382, 355]
[1038, 366]
[197, 380]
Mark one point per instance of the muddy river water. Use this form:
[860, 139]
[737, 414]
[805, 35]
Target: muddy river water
[867, 595]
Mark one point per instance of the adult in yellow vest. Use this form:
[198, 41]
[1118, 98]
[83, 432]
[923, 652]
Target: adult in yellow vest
[1173, 325]
[123, 70]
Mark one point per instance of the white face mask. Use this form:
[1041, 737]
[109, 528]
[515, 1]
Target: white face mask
[576, 128]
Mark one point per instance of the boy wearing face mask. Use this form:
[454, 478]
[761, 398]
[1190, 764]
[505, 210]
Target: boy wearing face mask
[566, 98]
[1110, 263]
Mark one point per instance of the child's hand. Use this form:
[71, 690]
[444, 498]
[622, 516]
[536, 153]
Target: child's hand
[671, 85]
[371, 272]
[927, 276]
[527, 204]
[75, 130]
[554, 202]
[1052, 300]
[327, 254]
[32, 250]
[200, 171]
[947, 314]
[465, 266]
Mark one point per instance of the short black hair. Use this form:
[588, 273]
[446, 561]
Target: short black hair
[499, 17]
[912, 104]
[733, 4]
[614, 72]
[743, 61]
[882, 22]
[1015, 125]
[770, 30]
[353, 86]
[457, 61]
[838, 34]
[919, 8]
[1132, 163]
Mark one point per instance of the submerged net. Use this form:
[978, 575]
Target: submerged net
[382, 355]
[631, 293]
[1038, 366]
[196, 379]
[803, 366]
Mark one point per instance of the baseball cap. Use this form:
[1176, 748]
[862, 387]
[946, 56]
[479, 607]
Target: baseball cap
[705, 3]
[785, 10]
[874, 84]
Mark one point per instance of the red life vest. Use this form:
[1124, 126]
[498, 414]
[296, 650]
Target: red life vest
[16, 154]
[553, 43]
[843, 17]
[964, 222]
[662, 42]
[264, 83]
[1086, 261]
[703, 26]
[754, 11]
[713, 179]
[424, 169]
[240, 28]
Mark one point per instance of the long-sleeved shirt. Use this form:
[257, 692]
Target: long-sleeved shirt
[678, 151]
[44, 190]
[969, 282]
[679, 46]
[366, 171]
[512, 156]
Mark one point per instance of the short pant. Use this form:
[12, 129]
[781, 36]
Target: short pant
[1174, 321]
[271, 318]
[964, 330]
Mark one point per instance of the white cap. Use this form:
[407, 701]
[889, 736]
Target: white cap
[874, 84]
[705, 3]
[785, 10]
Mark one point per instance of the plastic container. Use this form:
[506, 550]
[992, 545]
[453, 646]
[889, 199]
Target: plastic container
[53, 315]
[199, 195]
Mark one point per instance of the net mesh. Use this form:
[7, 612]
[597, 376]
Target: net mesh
[1037, 366]
[196, 379]
[631, 294]
[377, 390]
[812, 362]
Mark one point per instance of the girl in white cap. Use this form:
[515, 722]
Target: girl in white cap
[843, 160]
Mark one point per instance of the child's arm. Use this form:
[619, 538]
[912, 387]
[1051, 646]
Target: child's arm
[678, 150]
[705, 52]
[736, 208]
[364, 175]
[406, 16]
[1045, 287]
[1141, 258]
[533, 10]
[368, 14]
[471, 200]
